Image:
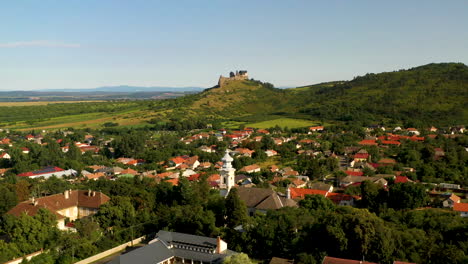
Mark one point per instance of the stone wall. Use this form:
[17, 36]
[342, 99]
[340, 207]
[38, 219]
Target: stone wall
[239, 75]
[110, 251]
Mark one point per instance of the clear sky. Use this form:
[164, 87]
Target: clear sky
[89, 43]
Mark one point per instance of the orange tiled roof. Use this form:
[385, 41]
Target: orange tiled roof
[301, 193]
[460, 207]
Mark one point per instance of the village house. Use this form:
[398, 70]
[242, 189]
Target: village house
[271, 153]
[183, 162]
[462, 208]
[352, 180]
[5, 155]
[210, 149]
[251, 168]
[450, 201]
[315, 129]
[360, 157]
[93, 176]
[402, 179]
[274, 168]
[6, 141]
[244, 152]
[71, 205]
[413, 131]
[337, 198]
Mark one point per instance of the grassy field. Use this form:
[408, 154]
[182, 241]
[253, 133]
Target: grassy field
[88, 120]
[44, 103]
[283, 122]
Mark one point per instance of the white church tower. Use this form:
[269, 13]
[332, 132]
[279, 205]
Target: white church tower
[227, 173]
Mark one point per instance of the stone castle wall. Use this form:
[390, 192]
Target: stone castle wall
[239, 75]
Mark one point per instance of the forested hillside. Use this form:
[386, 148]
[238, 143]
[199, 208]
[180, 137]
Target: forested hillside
[433, 94]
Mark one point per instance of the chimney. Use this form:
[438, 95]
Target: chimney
[218, 245]
[67, 194]
[94, 193]
[89, 192]
[288, 193]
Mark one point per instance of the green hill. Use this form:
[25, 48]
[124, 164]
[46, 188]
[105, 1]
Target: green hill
[430, 94]
[235, 100]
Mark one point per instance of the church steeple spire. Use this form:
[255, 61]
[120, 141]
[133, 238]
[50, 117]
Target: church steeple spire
[227, 172]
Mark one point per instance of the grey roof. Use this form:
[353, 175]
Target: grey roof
[320, 186]
[181, 238]
[150, 254]
[263, 199]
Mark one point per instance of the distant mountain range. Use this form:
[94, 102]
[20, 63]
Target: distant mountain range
[127, 89]
[123, 92]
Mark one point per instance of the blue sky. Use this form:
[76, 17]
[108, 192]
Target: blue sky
[86, 44]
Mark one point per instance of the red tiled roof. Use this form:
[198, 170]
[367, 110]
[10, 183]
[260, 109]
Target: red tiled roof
[387, 161]
[298, 182]
[173, 181]
[164, 174]
[369, 142]
[316, 128]
[361, 156]
[194, 177]
[460, 207]
[338, 197]
[414, 138]
[455, 198]
[354, 173]
[401, 179]
[391, 142]
[45, 170]
[96, 175]
[178, 160]
[274, 168]
[129, 171]
[250, 168]
[301, 193]
[291, 173]
[214, 177]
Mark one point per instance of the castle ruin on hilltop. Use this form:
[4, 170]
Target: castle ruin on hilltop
[239, 75]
